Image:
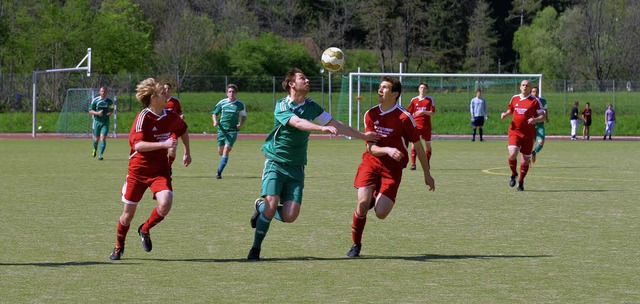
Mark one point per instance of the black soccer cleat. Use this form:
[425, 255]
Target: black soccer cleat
[117, 253]
[256, 212]
[146, 239]
[520, 186]
[354, 252]
[512, 181]
[254, 254]
[413, 167]
[218, 176]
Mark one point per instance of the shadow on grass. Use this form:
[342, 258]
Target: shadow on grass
[62, 264]
[416, 258]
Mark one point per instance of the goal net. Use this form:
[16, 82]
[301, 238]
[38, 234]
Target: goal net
[451, 93]
[74, 119]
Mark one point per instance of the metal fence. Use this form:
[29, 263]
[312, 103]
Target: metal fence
[15, 89]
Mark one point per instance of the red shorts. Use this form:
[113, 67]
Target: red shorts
[383, 179]
[134, 187]
[525, 143]
[425, 132]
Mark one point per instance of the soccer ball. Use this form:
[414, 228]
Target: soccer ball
[333, 59]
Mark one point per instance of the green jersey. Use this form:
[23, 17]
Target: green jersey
[228, 113]
[287, 144]
[543, 105]
[105, 105]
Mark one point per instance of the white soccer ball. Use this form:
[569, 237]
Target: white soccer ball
[333, 59]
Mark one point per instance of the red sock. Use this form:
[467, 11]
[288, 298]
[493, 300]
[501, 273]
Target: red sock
[413, 157]
[513, 164]
[153, 220]
[121, 234]
[524, 168]
[357, 228]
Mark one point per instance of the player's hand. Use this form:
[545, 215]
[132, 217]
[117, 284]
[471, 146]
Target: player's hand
[371, 137]
[503, 115]
[215, 123]
[395, 154]
[170, 143]
[329, 130]
[429, 181]
[186, 159]
[531, 121]
[239, 126]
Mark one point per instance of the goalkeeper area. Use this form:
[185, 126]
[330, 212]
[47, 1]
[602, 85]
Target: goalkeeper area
[451, 92]
[74, 119]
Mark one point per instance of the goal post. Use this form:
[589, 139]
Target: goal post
[74, 119]
[79, 67]
[451, 92]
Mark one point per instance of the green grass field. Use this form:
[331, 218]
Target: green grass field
[571, 237]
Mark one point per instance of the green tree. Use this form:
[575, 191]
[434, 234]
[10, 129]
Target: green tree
[539, 46]
[270, 55]
[121, 40]
[480, 45]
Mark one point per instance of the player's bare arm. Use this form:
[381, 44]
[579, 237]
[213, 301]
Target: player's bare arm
[305, 125]
[186, 158]
[506, 114]
[381, 151]
[146, 146]
[215, 120]
[424, 163]
[351, 132]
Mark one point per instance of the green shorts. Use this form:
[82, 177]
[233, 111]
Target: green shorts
[100, 128]
[227, 138]
[539, 132]
[283, 180]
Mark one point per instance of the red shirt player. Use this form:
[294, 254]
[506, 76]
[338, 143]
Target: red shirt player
[422, 107]
[526, 111]
[173, 105]
[380, 171]
[154, 131]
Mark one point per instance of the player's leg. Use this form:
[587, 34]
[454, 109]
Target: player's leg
[389, 184]
[228, 145]
[526, 149]
[131, 194]
[513, 149]
[473, 129]
[359, 220]
[163, 194]
[104, 130]
[95, 136]
[413, 157]
[222, 141]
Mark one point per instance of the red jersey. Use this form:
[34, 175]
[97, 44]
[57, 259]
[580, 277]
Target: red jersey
[173, 105]
[396, 128]
[523, 109]
[425, 104]
[150, 127]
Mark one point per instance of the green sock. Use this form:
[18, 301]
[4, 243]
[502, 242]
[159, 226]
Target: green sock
[95, 145]
[103, 145]
[262, 226]
[538, 148]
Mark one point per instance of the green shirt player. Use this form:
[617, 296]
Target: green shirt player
[285, 149]
[539, 125]
[228, 115]
[101, 108]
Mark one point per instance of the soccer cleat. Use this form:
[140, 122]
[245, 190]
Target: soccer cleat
[254, 254]
[354, 251]
[146, 239]
[218, 175]
[117, 253]
[100, 157]
[533, 157]
[512, 181]
[256, 212]
[93, 153]
[520, 186]
[413, 167]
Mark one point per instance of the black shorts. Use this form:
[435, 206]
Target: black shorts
[478, 121]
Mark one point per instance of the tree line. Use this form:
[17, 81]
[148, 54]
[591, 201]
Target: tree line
[571, 39]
